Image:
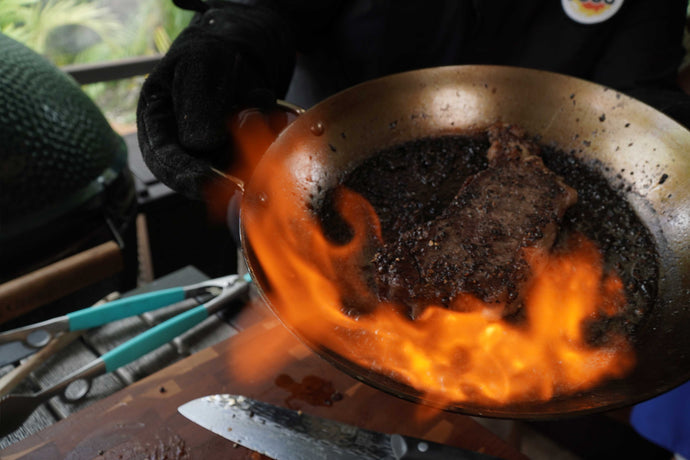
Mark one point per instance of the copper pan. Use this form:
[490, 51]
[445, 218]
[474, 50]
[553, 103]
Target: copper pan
[593, 122]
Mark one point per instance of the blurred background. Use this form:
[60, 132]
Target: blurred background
[74, 33]
[109, 47]
[77, 33]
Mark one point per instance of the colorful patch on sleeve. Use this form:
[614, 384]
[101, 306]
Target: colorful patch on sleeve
[591, 11]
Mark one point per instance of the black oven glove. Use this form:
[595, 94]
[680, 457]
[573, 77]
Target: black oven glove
[231, 55]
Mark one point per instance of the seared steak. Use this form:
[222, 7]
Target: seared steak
[475, 246]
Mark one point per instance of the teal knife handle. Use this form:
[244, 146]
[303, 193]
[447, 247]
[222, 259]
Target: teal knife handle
[153, 338]
[123, 308]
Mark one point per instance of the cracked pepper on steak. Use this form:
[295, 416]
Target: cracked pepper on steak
[475, 245]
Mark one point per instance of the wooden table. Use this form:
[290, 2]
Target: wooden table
[262, 361]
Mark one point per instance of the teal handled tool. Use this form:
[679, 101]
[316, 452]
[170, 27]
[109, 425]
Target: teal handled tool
[39, 334]
[14, 408]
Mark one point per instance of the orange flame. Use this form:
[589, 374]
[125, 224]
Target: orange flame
[452, 355]
[458, 355]
[251, 132]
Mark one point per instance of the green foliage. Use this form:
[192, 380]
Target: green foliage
[38, 24]
[86, 31]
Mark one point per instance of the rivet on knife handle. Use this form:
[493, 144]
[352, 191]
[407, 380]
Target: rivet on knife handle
[409, 448]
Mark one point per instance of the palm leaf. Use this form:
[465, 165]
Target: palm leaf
[33, 22]
[162, 39]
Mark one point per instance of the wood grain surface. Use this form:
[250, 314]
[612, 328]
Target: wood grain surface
[21, 295]
[263, 361]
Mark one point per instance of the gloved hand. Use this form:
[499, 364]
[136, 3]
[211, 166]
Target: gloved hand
[231, 55]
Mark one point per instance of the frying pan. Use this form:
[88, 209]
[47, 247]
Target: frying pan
[324, 144]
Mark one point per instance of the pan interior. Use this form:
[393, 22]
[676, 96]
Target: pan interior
[639, 152]
[413, 183]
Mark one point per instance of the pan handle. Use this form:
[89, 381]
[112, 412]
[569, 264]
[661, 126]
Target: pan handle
[285, 106]
[290, 107]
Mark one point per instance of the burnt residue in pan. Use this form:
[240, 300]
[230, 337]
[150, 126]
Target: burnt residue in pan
[412, 183]
[603, 214]
[409, 184]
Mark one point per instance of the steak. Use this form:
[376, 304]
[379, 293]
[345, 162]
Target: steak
[476, 245]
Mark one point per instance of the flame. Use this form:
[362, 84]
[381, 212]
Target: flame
[251, 132]
[454, 355]
[459, 355]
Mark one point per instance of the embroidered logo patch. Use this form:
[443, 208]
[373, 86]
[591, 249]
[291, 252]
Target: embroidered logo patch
[591, 11]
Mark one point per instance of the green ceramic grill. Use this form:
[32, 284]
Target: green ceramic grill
[57, 151]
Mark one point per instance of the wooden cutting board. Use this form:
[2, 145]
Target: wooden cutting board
[264, 362]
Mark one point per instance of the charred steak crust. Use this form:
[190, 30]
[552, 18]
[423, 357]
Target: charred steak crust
[475, 245]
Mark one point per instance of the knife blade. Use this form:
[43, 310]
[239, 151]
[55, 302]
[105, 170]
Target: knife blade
[284, 434]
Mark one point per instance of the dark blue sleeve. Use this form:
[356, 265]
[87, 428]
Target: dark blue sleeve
[665, 420]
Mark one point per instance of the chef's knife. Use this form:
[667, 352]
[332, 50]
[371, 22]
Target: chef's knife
[285, 434]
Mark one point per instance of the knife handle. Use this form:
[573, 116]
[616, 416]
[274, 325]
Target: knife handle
[409, 448]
